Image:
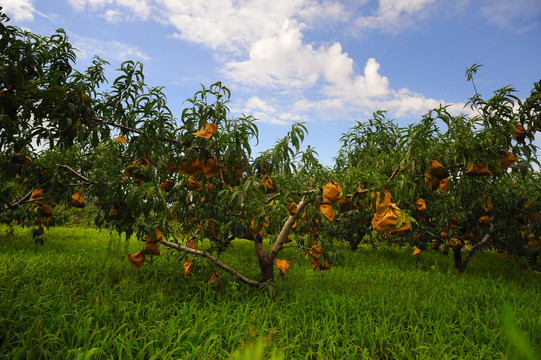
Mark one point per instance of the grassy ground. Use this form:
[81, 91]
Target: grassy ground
[78, 297]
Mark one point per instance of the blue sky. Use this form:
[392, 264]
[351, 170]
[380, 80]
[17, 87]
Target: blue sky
[327, 63]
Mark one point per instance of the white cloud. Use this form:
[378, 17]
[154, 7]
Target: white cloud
[343, 82]
[109, 50]
[19, 10]
[392, 15]
[260, 44]
[228, 24]
[255, 103]
[113, 16]
[281, 60]
[264, 111]
[504, 13]
[117, 9]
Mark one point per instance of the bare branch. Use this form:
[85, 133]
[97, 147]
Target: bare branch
[218, 263]
[306, 192]
[21, 201]
[394, 173]
[88, 181]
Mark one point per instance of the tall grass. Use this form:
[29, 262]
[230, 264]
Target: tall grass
[78, 297]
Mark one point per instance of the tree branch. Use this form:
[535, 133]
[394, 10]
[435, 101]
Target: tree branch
[88, 181]
[218, 263]
[127, 128]
[360, 192]
[23, 200]
[162, 138]
[306, 192]
[282, 237]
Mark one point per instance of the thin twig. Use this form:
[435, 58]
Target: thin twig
[191, 237]
[305, 192]
[296, 246]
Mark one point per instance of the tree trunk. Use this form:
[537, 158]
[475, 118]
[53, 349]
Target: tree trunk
[457, 256]
[472, 251]
[265, 261]
[354, 243]
[267, 269]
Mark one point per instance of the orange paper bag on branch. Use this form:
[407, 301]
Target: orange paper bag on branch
[388, 217]
[506, 159]
[520, 133]
[211, 168]
[193, 184]
[267, 185]
[137, 259]
[478, 169]
[77, 200]
[36, 194]
[420, 205]
[191, 167]
[435, 175]
[283, 265]
[327, 210]
[207, 131]
[331, 192]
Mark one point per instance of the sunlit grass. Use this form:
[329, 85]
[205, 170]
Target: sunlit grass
[78, 297]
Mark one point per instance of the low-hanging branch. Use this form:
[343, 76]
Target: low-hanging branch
[216, 261]
[21, 201]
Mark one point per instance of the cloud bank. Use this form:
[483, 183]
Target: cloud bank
[260, 46]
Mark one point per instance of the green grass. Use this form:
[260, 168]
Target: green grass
[78, 297]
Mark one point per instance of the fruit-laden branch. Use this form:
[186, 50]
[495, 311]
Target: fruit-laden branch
[127, 128]
[219, 263]
[87, 180]
[475, 248]
[162, 138]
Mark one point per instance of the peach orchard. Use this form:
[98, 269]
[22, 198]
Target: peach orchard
[447, 183]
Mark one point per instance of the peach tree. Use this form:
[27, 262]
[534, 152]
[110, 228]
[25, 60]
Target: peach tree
[446, 182]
